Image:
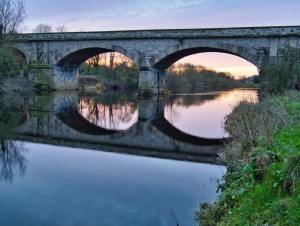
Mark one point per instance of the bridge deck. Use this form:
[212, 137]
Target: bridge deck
[162, 34]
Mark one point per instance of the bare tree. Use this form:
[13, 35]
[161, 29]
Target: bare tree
[61, 28]
[42, 28]
[46, 28]
[111, 59]
[12, 159]
[104, 58]
[96, 60]
[12, 14]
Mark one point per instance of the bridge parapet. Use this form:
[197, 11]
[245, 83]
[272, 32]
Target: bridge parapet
[163, 34]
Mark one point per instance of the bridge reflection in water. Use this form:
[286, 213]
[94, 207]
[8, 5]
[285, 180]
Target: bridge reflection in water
[98, 122]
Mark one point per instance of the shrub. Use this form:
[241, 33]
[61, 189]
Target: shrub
[8, 64]
[252, 124]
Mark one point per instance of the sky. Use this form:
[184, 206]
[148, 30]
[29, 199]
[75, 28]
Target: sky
[108, 15]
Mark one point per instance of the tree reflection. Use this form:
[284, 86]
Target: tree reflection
[192, 100]
[109, 111]
[12, 157]
[171, 111]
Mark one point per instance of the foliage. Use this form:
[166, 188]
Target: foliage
[252, 124]
[194, 78]
[284, 75]
[8, 65]
[117, 71]
[262, 184]
[12, 13]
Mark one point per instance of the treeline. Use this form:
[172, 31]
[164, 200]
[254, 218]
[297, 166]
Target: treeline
[195, 78]
[113, 70]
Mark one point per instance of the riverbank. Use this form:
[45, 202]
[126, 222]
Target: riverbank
[262, 184]
[17, 85]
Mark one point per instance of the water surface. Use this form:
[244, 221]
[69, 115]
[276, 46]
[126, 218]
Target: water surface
[77, 159]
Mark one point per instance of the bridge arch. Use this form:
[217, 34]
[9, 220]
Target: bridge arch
[77, 54]
[166, 58]
[22, 56]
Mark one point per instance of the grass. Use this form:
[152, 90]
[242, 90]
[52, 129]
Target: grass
[262, 185]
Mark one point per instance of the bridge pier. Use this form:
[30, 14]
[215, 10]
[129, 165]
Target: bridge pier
[151, 82]
[151, 108]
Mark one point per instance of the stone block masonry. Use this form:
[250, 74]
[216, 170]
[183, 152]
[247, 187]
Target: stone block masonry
[153, 50]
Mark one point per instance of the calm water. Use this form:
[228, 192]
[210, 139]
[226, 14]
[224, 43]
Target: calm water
[110, 159]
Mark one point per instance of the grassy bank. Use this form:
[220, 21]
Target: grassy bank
[262, 185]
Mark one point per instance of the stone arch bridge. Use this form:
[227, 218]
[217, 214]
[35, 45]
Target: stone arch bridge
[152, 50]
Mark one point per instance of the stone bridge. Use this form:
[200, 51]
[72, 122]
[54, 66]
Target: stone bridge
[60, 123]
[152, 50]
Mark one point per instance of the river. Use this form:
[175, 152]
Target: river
[111, 159]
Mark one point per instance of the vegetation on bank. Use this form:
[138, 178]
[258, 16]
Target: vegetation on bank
[262, 185]
[10, 81]
[11, 17]
[117, 75]
[182, 78]
[8, 63]
[179, 78]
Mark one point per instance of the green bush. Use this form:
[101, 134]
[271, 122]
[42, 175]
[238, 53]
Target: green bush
[8, 64]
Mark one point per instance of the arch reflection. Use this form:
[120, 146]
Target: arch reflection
[202, 114]
[111, 111]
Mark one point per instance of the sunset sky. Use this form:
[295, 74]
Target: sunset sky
[103, 15]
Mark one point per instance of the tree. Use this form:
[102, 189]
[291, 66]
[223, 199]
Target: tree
[61, 28]
[95, 60]
[46, 28]
[42, 28]
[111, 59]
[12, 14]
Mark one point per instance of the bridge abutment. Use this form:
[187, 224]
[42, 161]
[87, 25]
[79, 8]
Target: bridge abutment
[65, 78]
[46, 76]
